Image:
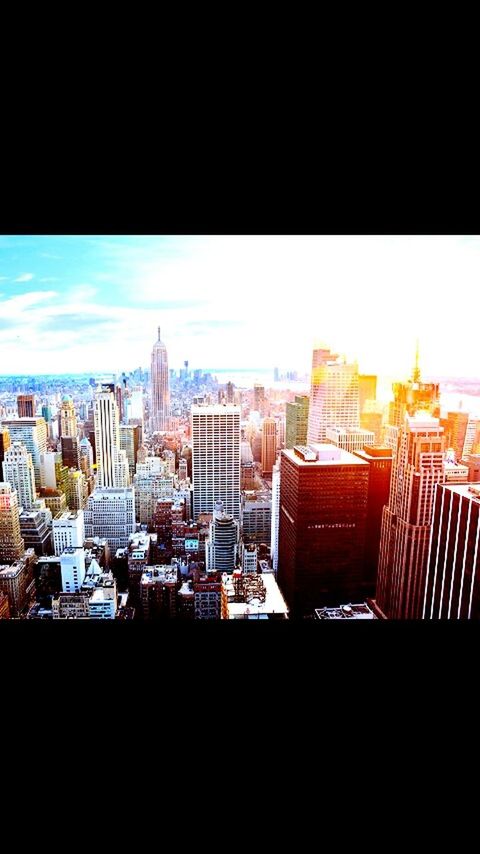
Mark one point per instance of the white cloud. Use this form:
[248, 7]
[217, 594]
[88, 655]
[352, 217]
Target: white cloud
[24, 277]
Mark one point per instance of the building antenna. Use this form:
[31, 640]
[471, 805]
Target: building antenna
[416, 370]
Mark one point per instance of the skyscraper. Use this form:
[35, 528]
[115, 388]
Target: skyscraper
[297, 421]
[367, 389]
[26, 405]
[18, 471]
[216, 458]
[33, 433]
[334, 395]
[112, 463]
[275, 516]
[160, 410]
[12, 546]
[418, 465]
[222, 545]
[259, 402]
[452, 586]
[4, 444]
[323, 511]
[455, 427]
[110, 513]
[68, 419]
[379, 460]
[269, 444]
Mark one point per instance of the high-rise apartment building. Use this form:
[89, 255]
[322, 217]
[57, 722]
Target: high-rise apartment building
[297, 421]
[418, 465]
[216, 458]
[72, 562]
[12, 546]
[152, 482]
[17, 581]
[323, 513]
[19, 472]
[35, 528]
[207, 590]
[110, 513]
[112, 463]
[256, 516]
[221, 547]
[452, 584]
[77, 490]
[334, 396]
[33, 433]
[26, 405]
[269, 444]
[472, 437]
[160, 409]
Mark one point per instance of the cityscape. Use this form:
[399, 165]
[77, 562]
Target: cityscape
[315, 472]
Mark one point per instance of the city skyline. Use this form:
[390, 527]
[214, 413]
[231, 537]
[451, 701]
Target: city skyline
[71, 303]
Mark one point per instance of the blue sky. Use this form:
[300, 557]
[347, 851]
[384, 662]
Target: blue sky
[93, 303]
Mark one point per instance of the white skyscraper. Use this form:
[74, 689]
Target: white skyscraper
[275, 515]
[216, 458]
[160, 409]
[112, 463]
[68, 531]
[72, 565]
[110, 513]
[334, 395]
[33, 433]
[18, 471]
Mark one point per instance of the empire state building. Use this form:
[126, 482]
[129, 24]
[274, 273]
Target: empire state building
[160, 412]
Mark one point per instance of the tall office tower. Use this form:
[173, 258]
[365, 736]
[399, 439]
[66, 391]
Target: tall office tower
[110, 513]
[412, 396]
[47, 412]
[35, 528]
[259, 400]
[275, 516]
[269, 444]
[70, 452]
[418, 465]
[281, 429]
[452, 586]
[182, 469]
[77, 490]
[249, 558]
[297, 421]
[323, 513]
[455, 431]
[160, 409]
[33, 433]
[18, 471]
[12, 546]
[86, 457]
[162, 526]
[379, 460]
[349, 438]
[48, 475]
[112, 463]
[130, 442]
[230, 392]
[152, 482]
[367, 389]
[120, 401]
[256, 517]
[333, 395]
[4, 444]
[68, 531]
[472, 437]
[372, 419]
[68, 419]
[26, 405]
[221, 547]
[18, 582]
[216, 458]
[72, 562]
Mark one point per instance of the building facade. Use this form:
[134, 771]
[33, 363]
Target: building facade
[215, 433]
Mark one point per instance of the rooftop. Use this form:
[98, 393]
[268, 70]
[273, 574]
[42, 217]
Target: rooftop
[334, 457]
[346, 612]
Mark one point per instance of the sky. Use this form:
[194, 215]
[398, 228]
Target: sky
[93, 303]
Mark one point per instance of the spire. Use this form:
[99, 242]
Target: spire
[416, 369]
[159, 333]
